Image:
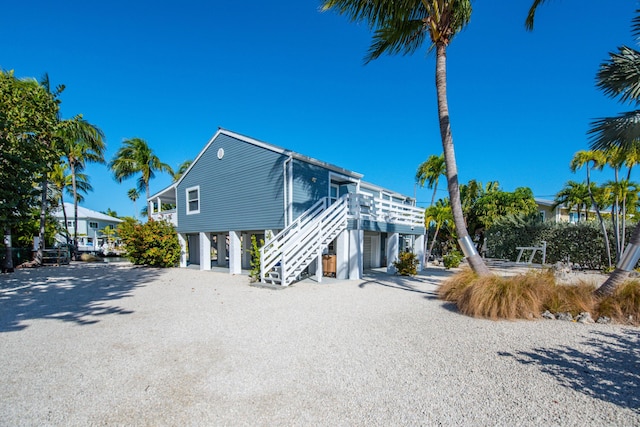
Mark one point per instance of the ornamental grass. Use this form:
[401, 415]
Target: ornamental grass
[528, 295]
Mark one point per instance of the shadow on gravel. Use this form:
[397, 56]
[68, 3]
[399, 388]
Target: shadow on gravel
[606, 370]
[74, 293]
[418, 284]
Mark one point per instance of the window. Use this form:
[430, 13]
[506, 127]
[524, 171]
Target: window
[69, 223]
[93, 224]
[193, 200]
[542, 215]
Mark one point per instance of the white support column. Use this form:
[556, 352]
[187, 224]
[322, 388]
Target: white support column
[150, 207]
[182, 239]
[205, 251]
[342, 255]
[222, 250]
[393, 246]
[356, 242]
[319, 268]
[418, 249]
[235, 253]
[159, 204]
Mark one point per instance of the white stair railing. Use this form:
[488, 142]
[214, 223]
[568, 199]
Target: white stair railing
[295, 247]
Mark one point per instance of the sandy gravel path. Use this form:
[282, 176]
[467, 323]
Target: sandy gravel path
[93, 344]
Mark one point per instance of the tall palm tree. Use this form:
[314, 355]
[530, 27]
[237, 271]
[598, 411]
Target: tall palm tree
[619, 77]
[401, 26]
[430, 172]
[593, 159]
[82, 143]
[136, 157]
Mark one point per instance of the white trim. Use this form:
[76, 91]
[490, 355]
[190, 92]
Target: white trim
[187, 206]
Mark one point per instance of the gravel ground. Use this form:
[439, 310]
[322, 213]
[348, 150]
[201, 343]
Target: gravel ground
[93, 344]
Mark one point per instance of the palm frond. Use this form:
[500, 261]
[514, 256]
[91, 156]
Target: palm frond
[402, 37]
[620, 75]
[528, 23]
[621, 132]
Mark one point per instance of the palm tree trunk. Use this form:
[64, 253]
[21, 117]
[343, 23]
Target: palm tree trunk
[72, 167]
[146, 187]
[64, 213]
[474, 259]
[433, 196]
[628, 261]
[600, 219]
[433, 242]
[43, 218]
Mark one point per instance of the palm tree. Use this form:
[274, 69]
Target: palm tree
[61, 183]
[532, 14]
[135, 157]
[401, 26]
[181, 170]
[619, 77]
[133, 196]
[593, 159]
[82, 143]
[573, 195]
[430, 172]
[440, 215]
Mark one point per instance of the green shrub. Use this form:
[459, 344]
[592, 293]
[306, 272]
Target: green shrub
[407, 264]
[452, 259]
[154, 243]
[254, 273]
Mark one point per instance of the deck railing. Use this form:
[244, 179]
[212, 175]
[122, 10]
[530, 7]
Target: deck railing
[367, 207]
[170, 215]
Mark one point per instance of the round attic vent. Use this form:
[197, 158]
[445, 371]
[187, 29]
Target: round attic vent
[220, 153]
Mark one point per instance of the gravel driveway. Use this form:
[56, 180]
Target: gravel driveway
[93, 344]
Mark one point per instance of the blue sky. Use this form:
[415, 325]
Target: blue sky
[282, 72]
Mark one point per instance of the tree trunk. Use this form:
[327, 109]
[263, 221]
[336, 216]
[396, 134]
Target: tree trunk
[474, 259]
[627, 262]
[64, 213]
[146, 187]
[75, 208]
[43, 219]
[433, 242]
[604, 228]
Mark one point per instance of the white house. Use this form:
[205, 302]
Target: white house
[90, 227]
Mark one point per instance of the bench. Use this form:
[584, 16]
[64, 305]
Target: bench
[533, 249]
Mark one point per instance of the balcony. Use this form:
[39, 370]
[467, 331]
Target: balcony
[170, 215]
[365, 206]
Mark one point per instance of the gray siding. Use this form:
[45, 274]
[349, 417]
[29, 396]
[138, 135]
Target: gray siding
[306, 192]
[241, 191]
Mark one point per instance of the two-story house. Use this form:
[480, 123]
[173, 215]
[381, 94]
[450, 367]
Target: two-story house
[91, 225]
[303, 207]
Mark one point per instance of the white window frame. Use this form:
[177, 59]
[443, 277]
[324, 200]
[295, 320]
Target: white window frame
[92, 223]
[188, 205]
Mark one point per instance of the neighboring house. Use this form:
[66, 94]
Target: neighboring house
[238, 186]
[90, 227]
[560, 213]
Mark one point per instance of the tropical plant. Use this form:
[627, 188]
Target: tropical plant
[61, 182]
[452, 259]
[28, 121]
[407, 264]
[593, 159]
[619, 78]
[136, 157]
[430, 172]
[438, 215]
[82, 143]
[574, 195]
[254, 252]
[154, 243]
[401, 27]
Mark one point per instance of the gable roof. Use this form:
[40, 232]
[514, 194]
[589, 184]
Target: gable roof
[269, 147]
[84, 213]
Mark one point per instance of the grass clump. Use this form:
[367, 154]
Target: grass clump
[624, 305]
[517, 297]
[523, 296]
[452, 288]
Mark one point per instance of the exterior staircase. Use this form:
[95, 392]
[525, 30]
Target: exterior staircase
[284, 257]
